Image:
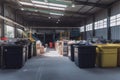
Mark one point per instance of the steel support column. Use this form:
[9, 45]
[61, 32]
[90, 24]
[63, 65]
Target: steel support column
[93, 26]
[108, 24]
[15, 29]
[2, 27]
[85, 35]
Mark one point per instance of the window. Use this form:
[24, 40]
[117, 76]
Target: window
[89, 27]
[105, 23]
[118, 19]
[82, 29]
[101, 24]
[9, 31]
[19, 33]
[115, 20]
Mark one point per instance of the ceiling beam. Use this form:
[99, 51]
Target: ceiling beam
[78, 2]
[43, 14]
[66, 11]
[115, 1]
[53, 27]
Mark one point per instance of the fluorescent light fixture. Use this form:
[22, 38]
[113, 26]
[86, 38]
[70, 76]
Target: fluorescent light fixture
[41, 6]
[57, 5]
[39, 2]
[36, 10]
[26, 3]
[22, 9]
[49, 4]
[56, 14]
[57, 8]
[73, 5]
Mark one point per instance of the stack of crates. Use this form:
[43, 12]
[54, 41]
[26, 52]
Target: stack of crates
[107, 55]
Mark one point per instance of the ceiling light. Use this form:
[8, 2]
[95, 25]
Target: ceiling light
[58, 20]
[56, 14]
[73, 5]
[49, 4]
[39, 2]
[41, 6]
[49, 17]
[22, 9]
[26, 3]
[44, 6]
[36, 10]
[57, 8]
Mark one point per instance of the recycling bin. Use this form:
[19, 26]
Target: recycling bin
[50, 44]
[26, 52]
[0, 57]
[13, 56]
[30, 50]
[118, 57]
[85, 56]
[107, 56]
[34, 49]
[71, 51]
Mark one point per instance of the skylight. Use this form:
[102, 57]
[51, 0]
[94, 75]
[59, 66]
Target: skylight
[56, 14]
[41, 6]
[43, 11]
[49, 4]
[26, 3]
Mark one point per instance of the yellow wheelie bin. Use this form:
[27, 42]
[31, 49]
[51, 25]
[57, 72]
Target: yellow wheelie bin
[118, 55]
[107, 55]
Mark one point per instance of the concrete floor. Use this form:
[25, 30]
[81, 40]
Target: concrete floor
[52, 66]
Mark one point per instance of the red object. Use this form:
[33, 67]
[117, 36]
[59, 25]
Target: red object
[4, 38]
[50, 44]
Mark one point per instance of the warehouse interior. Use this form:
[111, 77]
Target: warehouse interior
[59, 39]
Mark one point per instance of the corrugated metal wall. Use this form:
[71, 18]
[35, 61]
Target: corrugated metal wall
[89, 34]
[101, 15]
[101, 32]
[115, 9]
[115, 31]
[9, 13]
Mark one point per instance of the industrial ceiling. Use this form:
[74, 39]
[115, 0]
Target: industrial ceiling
[58, 13]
